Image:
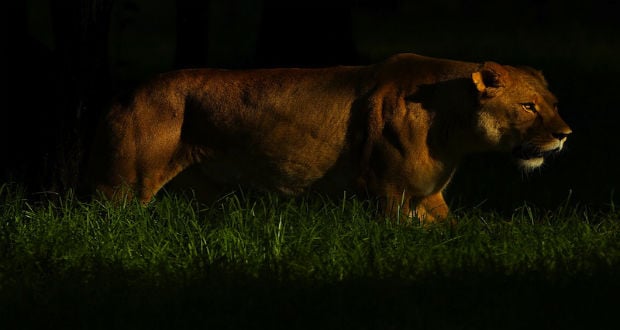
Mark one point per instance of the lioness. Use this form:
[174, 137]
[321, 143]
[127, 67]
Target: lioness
[395, 130]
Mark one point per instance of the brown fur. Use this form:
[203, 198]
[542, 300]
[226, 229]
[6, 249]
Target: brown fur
[395, 130]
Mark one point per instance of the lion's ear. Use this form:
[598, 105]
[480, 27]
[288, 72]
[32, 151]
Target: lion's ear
[490, 80]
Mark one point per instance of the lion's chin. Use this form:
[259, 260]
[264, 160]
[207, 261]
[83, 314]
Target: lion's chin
[530, 157]
[531, 163]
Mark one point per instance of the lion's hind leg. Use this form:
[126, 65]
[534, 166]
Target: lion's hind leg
[156, 169]
[130, 172]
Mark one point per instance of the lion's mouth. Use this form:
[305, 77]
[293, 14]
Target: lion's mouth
[530, 152]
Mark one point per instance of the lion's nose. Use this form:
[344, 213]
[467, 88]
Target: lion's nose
[561, 135]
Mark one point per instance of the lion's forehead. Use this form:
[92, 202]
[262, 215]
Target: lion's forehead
[544, 98]
[534, 89]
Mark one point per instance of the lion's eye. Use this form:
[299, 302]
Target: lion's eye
[531, 107]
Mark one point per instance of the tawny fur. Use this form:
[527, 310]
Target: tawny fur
[394, 131]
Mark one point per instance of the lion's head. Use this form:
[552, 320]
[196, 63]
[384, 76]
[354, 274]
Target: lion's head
[518, 113]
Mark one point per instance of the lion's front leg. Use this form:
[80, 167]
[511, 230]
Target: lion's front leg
[430, 209]
[403, 209]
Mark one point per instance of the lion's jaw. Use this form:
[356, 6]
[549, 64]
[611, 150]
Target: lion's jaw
[529, 152]
[530, 156]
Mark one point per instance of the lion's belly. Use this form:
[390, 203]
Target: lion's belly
[276, 147]
[288, 173]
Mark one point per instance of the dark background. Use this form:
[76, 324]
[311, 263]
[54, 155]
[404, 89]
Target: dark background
[67, 58]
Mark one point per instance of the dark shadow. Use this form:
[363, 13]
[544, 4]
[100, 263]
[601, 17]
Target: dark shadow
[109, 296]
[450, 104]
[192, 33]
[306, 33]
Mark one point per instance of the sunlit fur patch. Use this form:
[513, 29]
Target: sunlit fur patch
[530, 156]
[490, 127]
[530, 164]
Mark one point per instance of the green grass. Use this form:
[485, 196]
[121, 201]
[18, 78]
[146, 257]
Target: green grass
[265, 261]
